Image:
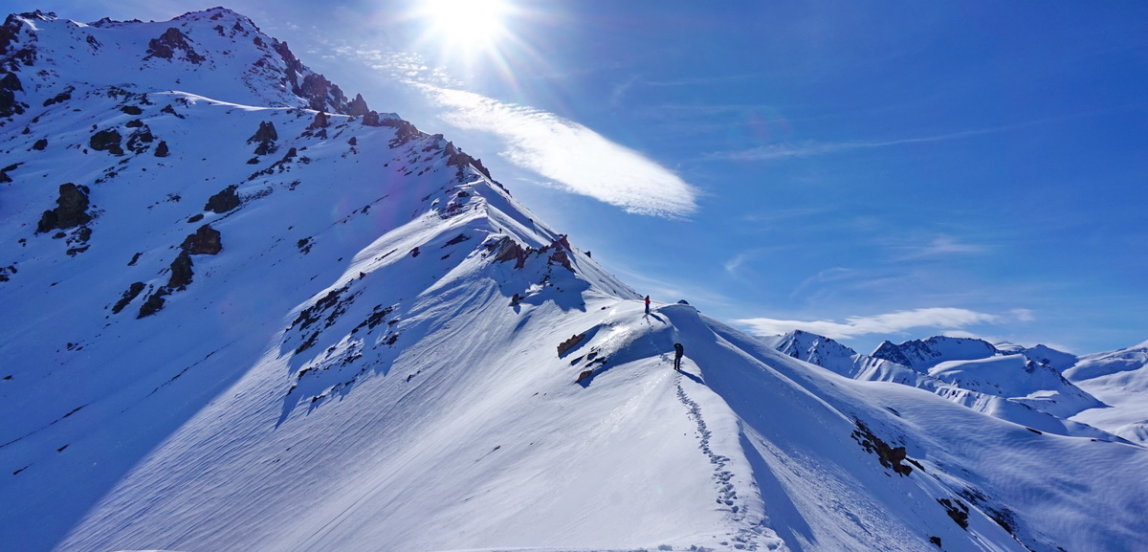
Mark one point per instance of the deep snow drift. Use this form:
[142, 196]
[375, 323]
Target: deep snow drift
[243, 312]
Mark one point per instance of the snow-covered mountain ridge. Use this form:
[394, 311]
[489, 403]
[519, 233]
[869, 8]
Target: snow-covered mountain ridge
[1020, 384]
[243, 312]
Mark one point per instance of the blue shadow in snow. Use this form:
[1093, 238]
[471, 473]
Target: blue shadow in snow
[784, 517]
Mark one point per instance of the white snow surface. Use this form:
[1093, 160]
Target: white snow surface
[1120, 379]
[372, 362]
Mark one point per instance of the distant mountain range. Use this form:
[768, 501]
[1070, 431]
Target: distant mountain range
[1005, 380]
[244, 311]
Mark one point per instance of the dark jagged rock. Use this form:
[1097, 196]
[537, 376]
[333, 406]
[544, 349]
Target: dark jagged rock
[71, 209]
[4, 172]
[404, 131]
[456, 158]
[171, 111]
[956, 510]
[506, 249]
[40, 144]
[357, 107]
[320, 121]
[9, 85]
[171, 40]
[319, 92]
[60, 98]
[888, 351]
[265, 137]
[205, 241]
[890, 457]
[571, 343]
[294, 66]
[132, 292]
[132, 110]
[153, 304]
[162, 150]
[224, 201]
[108, 139]
[561, 254]
[139, 140]
[181, 272]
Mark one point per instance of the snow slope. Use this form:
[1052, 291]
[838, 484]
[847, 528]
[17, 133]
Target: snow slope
[236, 322]
[1120, 379]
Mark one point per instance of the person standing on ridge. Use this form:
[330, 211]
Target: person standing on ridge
[679, 350]
[647, 304]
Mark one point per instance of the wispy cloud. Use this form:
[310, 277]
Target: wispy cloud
[579, 159]
[811, 149]
[571, 155]
[940, 246]
[888, 323]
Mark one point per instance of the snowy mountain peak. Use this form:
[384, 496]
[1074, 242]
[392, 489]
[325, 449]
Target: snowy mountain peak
[889, 351]
[216, 53]
[923, 354]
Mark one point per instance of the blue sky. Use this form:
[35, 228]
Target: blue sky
[866, 170]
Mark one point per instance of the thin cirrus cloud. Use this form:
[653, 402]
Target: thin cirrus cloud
[570, 154]
[888, 323]
[811, 149]
[579, 159]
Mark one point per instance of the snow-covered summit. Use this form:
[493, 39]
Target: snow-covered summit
[215, 53]
[816, 349]
[924, 354]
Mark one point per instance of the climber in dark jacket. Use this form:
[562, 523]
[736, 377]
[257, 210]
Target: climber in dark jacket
[647, 304]
[678, 352]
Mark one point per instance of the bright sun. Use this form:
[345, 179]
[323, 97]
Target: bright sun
[464, 23]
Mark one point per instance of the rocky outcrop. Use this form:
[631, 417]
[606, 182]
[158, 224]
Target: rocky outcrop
[71, 209]
[132, 292]
[140, 139]
[506, 249]
[205, 241]
[570, 344]
[320, 94]
[107, 140]
[318, 91]
[456, 158]
[153, 304]
[357, 107]
[890, 457]
[265, 137]
[181, 272]
[169, 42]
[320, 121]
[224, 201]
[9, 86]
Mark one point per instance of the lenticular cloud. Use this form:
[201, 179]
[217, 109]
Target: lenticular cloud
[579, 159]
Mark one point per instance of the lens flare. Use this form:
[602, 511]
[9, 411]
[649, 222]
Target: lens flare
[464, 24]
